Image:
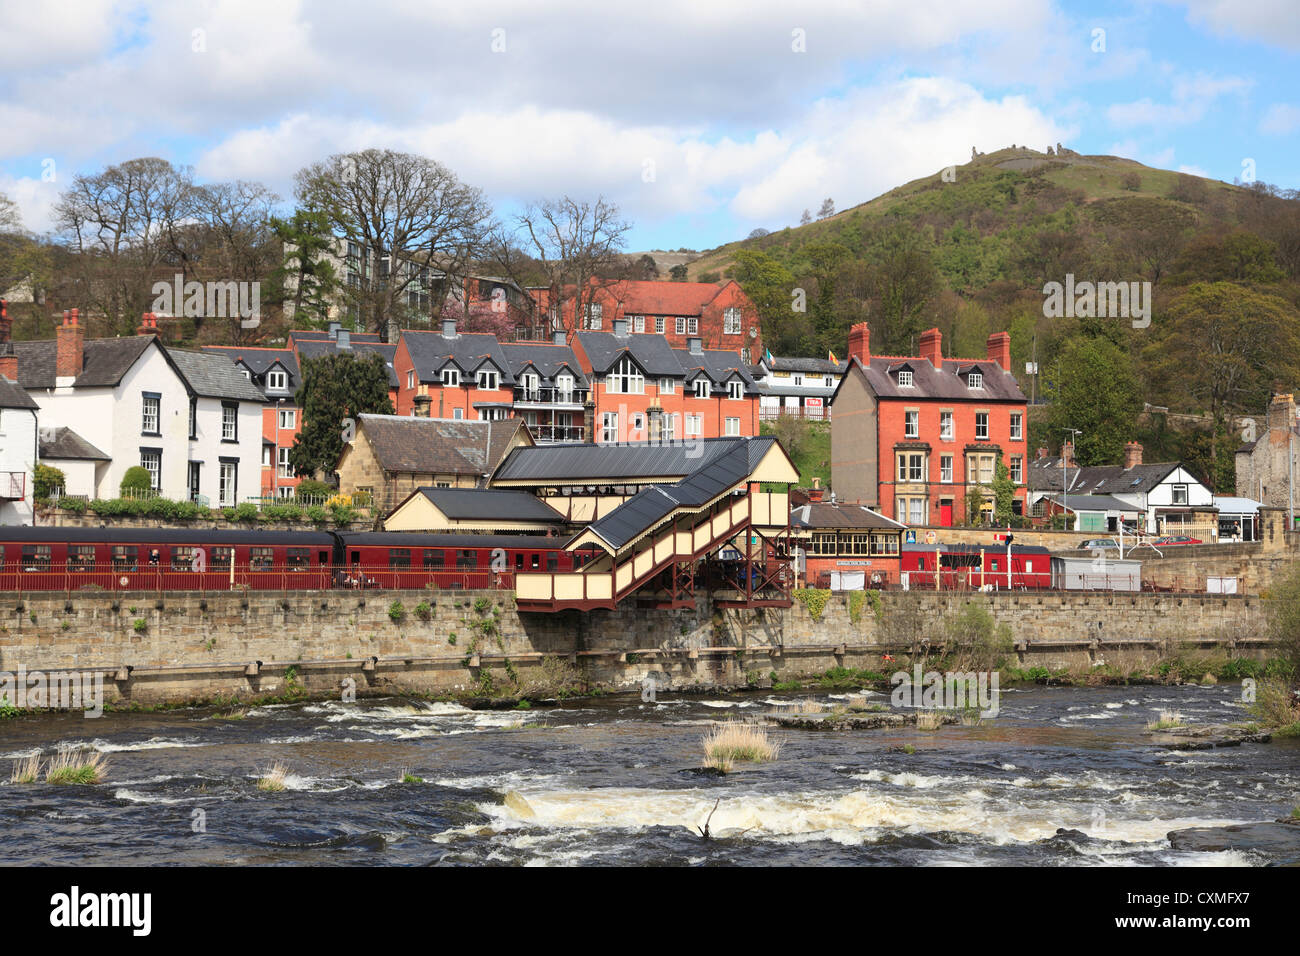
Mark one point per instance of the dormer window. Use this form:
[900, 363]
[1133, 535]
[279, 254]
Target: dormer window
[735, 390]
[277, 381]
[450, 377]
[701, 388]
[905, 378]
[975, 380]
[625, 378]
[487, 379]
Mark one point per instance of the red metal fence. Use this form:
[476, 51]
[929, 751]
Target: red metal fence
[276, 579]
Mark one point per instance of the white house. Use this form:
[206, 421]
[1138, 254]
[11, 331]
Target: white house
[1169, 498]
[796, 386]
[17, 452]
[192, 420]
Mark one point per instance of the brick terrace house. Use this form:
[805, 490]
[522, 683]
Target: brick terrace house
[644, 389]
[719, 314]
[911, 435]
[450, 373]
[392, 455]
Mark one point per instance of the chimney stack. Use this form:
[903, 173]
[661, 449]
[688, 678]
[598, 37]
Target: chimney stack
[1281, 416]
[695, 345]
[334, 329]
[148, 324]
[449, 328]
[1067, 454]
[932, 347]
[1132, 454]
[6, 324]
[860, 343]
[557, 336]
[69, 347]
[589, 422]
[422, 405]
[1042, 452]
[620, 328]
[343, 340]
[999, 349]
[815, 492]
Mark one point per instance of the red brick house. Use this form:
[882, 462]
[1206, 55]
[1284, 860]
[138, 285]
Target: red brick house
[912, 435]
[719, 314]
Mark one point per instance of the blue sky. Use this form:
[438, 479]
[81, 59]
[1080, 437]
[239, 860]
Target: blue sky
[703, 121]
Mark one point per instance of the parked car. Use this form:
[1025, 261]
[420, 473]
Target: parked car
[1092, 544]
[1170, 540]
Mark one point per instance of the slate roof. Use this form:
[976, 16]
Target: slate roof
[438, 445]
[468, 504]
[1092, 503]
[814, 366]
[719, 365]
[104, 363]
[430, 351]
[212, 375]
[318, 348]
[651, 352]
[13, 396]
[259, 361]
[928, 382]
[608, 464]
[547, 359]
[829, 515]
[61, 442]
[1045, 475]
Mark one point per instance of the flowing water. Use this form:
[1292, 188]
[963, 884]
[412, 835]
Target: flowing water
[616, 781]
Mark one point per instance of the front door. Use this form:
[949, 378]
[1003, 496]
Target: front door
[945, 514]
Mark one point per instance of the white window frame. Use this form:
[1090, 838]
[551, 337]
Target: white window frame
[667, 386]
[702, 384]
[450, 377]
[905, 378]
[1016, 469]
[625, 378]
[680, 325]
[229, 423]
[282, 467]
[226, 483]
[277, 381]
[488, 380]
[981, 426]
[945, 426]
[287, 418]
[945, 469]
[638, 323]
[1017, 426]
[694, 425]
[595, 315]
[564, 388]
[609, 427]
[731, 321]
[659, 325]
[975, 380]
[155, 473]
[732, 427]
[911, 423]
[735, 391]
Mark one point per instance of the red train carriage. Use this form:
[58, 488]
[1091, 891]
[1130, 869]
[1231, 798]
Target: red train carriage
[394, 559]
[960, 566]
[130, 559]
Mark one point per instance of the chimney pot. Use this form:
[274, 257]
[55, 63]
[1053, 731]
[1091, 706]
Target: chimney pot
[999, 349]
[1067, 454]
[1132, 454]
[69, 347]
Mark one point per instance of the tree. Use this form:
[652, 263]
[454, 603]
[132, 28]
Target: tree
[575, 243]
[827, 209]
[409, 217]
[805, 218]
[678, 273]
[758, 233]
[1131, 182]
[904, 282]
[235, 241]
[122, 224]
[1092, 386]
[336, 388]
[307, 239]
[10, 220]
[1004, 492]
[1221, 347]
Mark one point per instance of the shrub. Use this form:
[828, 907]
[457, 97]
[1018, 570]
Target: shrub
[423, 611]
[311, 488]
[980, 642]
[136, 479]
[397, 612]
[46, 479]
[140, 625]
[814, 600]
[317, 514]
[734, 741]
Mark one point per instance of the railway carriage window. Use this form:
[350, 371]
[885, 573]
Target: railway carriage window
[552, 562]
[154, 557]
[183, 558]
[536, 562]
[221, 557]
[36, 557]
[399, 557]
[298, 558]
[466, 559]
[126, 557]
[434, 558]
[324, 558]
[81, 556]
[261, 559]
[2, 555]
[519, 562]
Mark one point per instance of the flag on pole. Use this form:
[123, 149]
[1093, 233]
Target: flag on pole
[832, 357]
[767, 356]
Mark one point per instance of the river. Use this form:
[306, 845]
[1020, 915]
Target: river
[614, 780]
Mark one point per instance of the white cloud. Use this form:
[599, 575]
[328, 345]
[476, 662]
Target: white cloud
[1270, 21]
[1191, 97]
[1280, 119]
